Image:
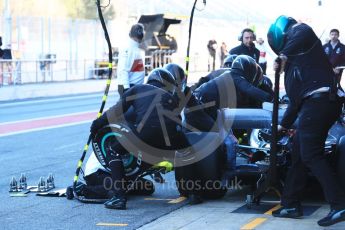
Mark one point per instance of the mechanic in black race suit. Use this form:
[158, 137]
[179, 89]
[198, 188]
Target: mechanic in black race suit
[196, 119]
[315, 101]
[265, 84]
[247, 46]
[149, 103]
[244, 77]
[232, 90]
[216, 73]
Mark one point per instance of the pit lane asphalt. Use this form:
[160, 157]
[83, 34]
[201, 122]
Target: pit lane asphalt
[57, 151]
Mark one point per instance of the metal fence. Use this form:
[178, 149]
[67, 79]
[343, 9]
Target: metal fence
[20, 71]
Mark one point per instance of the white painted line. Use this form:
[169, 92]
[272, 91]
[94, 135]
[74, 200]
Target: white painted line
[38, 101]
[44, 128]
[49, 117]
[112, 224]
[67, 146]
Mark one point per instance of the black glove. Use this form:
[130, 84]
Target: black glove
[97, 125]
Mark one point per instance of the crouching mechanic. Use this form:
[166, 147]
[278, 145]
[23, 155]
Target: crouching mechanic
[232, 90]
[149, 102]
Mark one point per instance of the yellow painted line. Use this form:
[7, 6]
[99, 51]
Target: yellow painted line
[251, 225]
[171, 201]
[112, 224]
[177, 200]
[269, 212]
[157, 199]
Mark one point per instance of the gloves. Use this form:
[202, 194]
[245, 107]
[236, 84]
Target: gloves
[97, 125]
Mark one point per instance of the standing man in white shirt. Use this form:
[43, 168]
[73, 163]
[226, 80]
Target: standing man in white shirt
[131, 63]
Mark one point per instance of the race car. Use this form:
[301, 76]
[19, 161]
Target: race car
[253, 160]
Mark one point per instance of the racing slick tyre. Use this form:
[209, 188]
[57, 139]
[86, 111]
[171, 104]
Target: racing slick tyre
[108, 137]
[200, 172]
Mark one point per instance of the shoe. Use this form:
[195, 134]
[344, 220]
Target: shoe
[116, 203]
[195, 199]
[285, 212]
[333, 217]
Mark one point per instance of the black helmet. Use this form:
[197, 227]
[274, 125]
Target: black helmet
[137, 31]
[178, 73]
[229, 60]
[164, 77]
[266, 81]
[246, 67]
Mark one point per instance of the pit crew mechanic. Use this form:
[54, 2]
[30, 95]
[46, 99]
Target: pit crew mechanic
[310, 84]
[232, 90]
[243, 78]
[148, 101]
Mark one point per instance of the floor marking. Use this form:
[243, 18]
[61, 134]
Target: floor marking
[177, 200]
[112, 224]
[24, 126]
[157, 199]
[45, 128]
[254, 223]
[269, 212]
[67, 146]
[50, 100]
[48, 117]
[171, 201]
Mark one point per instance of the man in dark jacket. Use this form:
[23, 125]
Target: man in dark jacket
[212, 48]
[247, 46]
[335, 51]
[311, 86]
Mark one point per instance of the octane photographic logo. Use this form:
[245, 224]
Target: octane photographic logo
[200, 144]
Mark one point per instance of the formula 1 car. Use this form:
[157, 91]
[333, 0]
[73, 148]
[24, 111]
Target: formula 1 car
[204, 163]
[253, 160]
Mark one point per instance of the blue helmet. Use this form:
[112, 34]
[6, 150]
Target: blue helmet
[277, 31]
